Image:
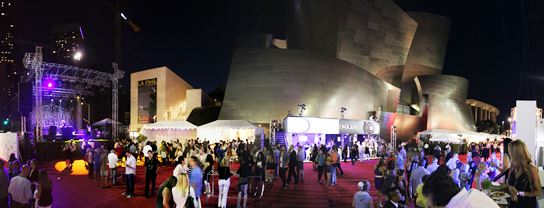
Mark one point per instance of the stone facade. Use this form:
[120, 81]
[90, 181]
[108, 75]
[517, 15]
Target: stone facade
[171, 96]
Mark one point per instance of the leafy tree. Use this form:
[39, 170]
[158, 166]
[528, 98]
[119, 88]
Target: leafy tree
[487, 126]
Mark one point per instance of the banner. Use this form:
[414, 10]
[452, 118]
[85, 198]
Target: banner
[8, 144]
[147, 101]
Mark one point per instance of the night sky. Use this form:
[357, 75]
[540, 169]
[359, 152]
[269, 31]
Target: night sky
[497, 45]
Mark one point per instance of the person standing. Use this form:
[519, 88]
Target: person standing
[130, 174]
[89, 158]
[34, 173]
[196, 178]
[417, 174]
[243, 174]
[433, 166]
[260, 162]
[112, 164]
[523, 180]
[96, 159]
[165, 197]
[20, 189]
[44, 191]
[151, 170]
[337, 162]
[362, 198]
[293, 163]
[183, 192]
[224, 181]
[354, 152]
[320, 165]
[301, 156]
[379, 172]
[332, 167]
[104, 168]
[283, 160]
[4, 183]
[181, 166]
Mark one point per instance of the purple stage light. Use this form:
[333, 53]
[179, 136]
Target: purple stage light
[50, 84]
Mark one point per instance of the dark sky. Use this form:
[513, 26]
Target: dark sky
[498, 45]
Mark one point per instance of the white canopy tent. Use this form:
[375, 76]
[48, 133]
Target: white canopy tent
[169, 130]
[458, 137]
[229, 130]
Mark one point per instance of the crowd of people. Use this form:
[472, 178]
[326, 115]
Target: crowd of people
[436, 179]
[448, 182]
[23, 185]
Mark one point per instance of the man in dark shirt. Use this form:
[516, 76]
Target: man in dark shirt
[151, 170]
[293, 162]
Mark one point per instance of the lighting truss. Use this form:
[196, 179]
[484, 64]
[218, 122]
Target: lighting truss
[73, 74]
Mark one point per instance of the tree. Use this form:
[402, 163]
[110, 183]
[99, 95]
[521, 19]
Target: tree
[487, 126]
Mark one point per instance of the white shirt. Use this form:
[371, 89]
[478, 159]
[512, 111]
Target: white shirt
[147, 148]
[432, 167]
[112, 160]
[180, 199]
[471, 199]
[452, 163]
[19, 188]
[131, 161]
[179, 170]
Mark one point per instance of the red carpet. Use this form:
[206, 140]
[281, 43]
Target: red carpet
[79, 191]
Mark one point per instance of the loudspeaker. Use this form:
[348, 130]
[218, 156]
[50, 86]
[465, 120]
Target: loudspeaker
[52, 133]
[67, 133]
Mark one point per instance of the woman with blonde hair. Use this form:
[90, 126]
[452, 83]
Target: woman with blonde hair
[523, 179]
[183, 192]
[481, 175]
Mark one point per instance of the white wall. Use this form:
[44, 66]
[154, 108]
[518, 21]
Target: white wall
[526, 125]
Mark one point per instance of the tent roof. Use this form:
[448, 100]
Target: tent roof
[229, 124]
[169, 125]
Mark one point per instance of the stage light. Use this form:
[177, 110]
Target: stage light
[78, 55]
[50, 84]
[6, 122]
[123, 16]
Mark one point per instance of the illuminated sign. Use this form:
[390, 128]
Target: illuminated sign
[311, 125]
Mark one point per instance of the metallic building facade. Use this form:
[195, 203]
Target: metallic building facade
[357, 54]
[265, 84]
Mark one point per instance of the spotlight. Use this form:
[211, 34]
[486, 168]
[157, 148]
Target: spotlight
[78, 55]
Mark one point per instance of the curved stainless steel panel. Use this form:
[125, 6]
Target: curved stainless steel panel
[264, 84]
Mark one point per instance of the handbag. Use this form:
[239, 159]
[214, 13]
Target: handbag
[190, 203]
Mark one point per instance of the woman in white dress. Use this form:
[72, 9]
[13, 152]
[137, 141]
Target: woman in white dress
[182, 191]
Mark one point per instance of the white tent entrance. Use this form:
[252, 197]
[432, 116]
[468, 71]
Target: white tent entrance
[169, 130]
[229, 130]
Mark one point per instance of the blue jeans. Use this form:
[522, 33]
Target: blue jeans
[333, 175]
[113, 175]
[130, 184]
